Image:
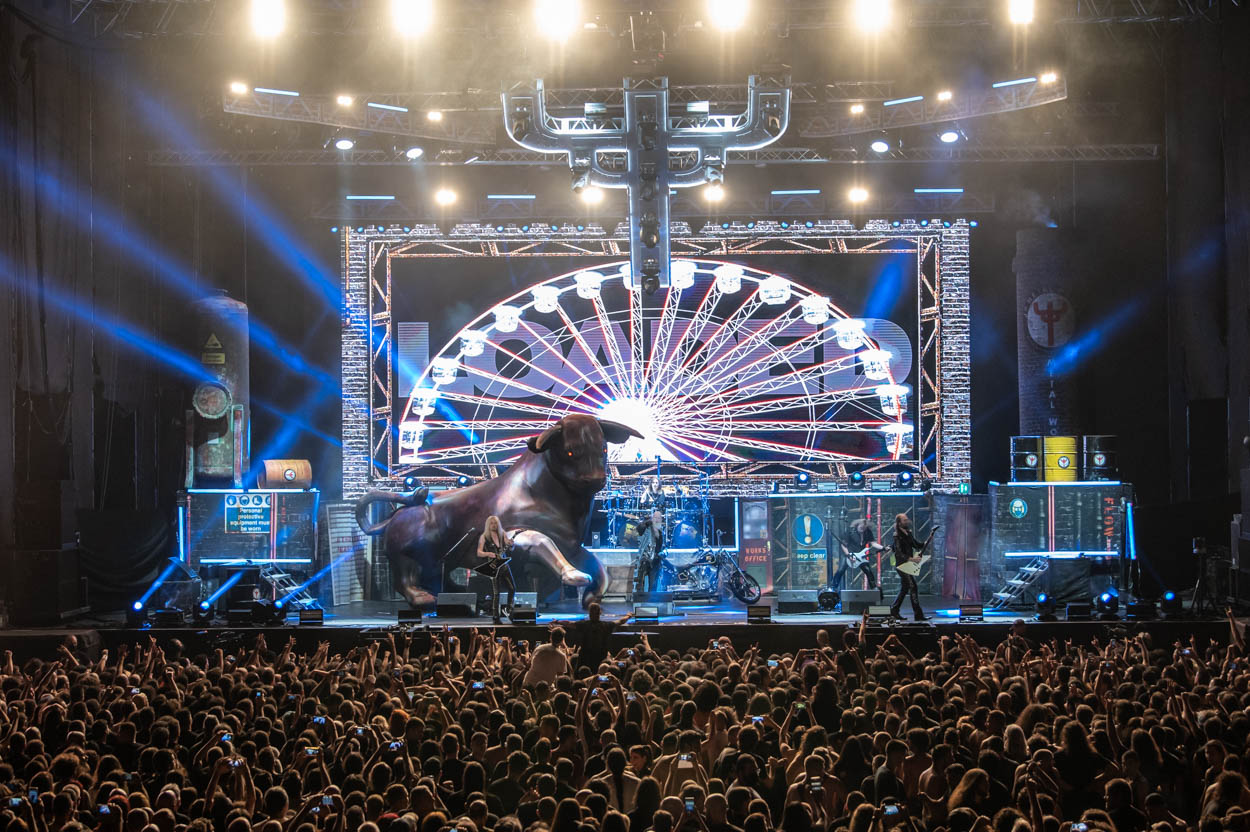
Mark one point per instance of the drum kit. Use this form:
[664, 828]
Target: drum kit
[710, 571]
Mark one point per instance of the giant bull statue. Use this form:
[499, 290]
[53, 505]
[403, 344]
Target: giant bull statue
[545, 496]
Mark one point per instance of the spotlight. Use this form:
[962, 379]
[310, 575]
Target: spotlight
[855, 480]
[827, 600]
[411, 17]
[410, 483]
[592, 195]
[1170, 605]
[557, 19]
[414, 153]
[137, 606]
[727, 15]
[203, 613]
[136, 615]
[344, 100]
[650, 279]
[1045, 608]
[879, 146]
[238, 88]
[1108, 604]
[434, 115]
[857, 195]
[802, 481]
[1020, 12]
[857, 109]
[445, 196]
[948, 136]
[872, 15]
[268, 18]
[904, 480]
[944, 95]
[463, 481]
[344, 143]
[714, 192]
[1048, 78]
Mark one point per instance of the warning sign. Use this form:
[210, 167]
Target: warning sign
[212, 343]
[212, 353]
[249, 513]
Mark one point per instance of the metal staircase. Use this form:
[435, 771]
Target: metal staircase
[286, 587]
[1016, 591]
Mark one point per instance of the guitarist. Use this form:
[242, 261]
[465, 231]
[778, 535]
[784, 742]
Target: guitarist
[862, 542]
[907, 548]
[650, 550]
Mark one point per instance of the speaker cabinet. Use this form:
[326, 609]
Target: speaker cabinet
[456, 605]
[792, 601]
[855, 601]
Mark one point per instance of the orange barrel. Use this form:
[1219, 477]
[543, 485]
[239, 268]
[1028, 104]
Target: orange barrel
[1059, 458]
[287, 473]
[1098, 457]
[1026, 458]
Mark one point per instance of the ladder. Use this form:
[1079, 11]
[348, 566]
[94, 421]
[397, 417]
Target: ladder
[285, 586]
[1014, 591]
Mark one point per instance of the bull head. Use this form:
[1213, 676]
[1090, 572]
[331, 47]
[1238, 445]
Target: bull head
[613, 432]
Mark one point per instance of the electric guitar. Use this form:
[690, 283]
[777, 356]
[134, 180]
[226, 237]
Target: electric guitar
[854, 560]
[917, 561]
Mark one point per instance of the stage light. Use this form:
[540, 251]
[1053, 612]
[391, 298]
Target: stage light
[1171, 605]
[414, 153]
[136, 606]
[238, 88]
[714, 192]
[1048, 78]
[728, 278]
[557, 19]
[591, 195]
[344, 100]
[872, 15]
[445, 196]
[857, 195]
[904, 480]
[410, 483]
[924, 223]
[849, 333]
[472, 342]
[681, 273]
[434, 115]
[944, 95]
[948, 136]
[973, 223]
[444, 370]
[411, 17]
[900, 438]
[588, 283]
[1108, 604]
[815, 309]
[1045, 606]
[727, 15]
[802, 481]
[463, 481]
[268, 18]
[879, 146]
[507, 318]
[893, 398]
[774, 290]
[344, 143]
[855, 480]
[857, 109]
[1020, 12]
[546, 298]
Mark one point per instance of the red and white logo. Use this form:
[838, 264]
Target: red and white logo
[1050, 320]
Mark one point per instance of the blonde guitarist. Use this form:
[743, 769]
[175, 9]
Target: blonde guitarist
[909, 556]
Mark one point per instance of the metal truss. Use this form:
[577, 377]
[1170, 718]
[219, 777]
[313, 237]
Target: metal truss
[942, 420]
[966, 153]
[202, 18]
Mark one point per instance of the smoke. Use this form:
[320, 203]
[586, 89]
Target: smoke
[459, 315]
[1029, 207]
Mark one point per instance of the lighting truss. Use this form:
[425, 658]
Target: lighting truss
[203, 18]
[373, 438]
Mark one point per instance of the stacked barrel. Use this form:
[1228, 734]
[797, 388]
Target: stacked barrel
[1063, 458]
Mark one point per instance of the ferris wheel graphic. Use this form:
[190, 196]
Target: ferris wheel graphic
[730, 364]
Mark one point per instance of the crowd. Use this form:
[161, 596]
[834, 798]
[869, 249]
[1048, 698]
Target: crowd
[581, 732]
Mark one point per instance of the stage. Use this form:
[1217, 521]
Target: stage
[359, 623]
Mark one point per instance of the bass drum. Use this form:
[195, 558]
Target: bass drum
[626, 529]
[685, 535]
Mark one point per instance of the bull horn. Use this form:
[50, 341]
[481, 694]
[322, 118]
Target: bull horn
[616, 433]
[538, 444]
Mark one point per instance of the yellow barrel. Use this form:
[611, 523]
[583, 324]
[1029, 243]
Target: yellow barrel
[1059, 454]
[287, 473]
